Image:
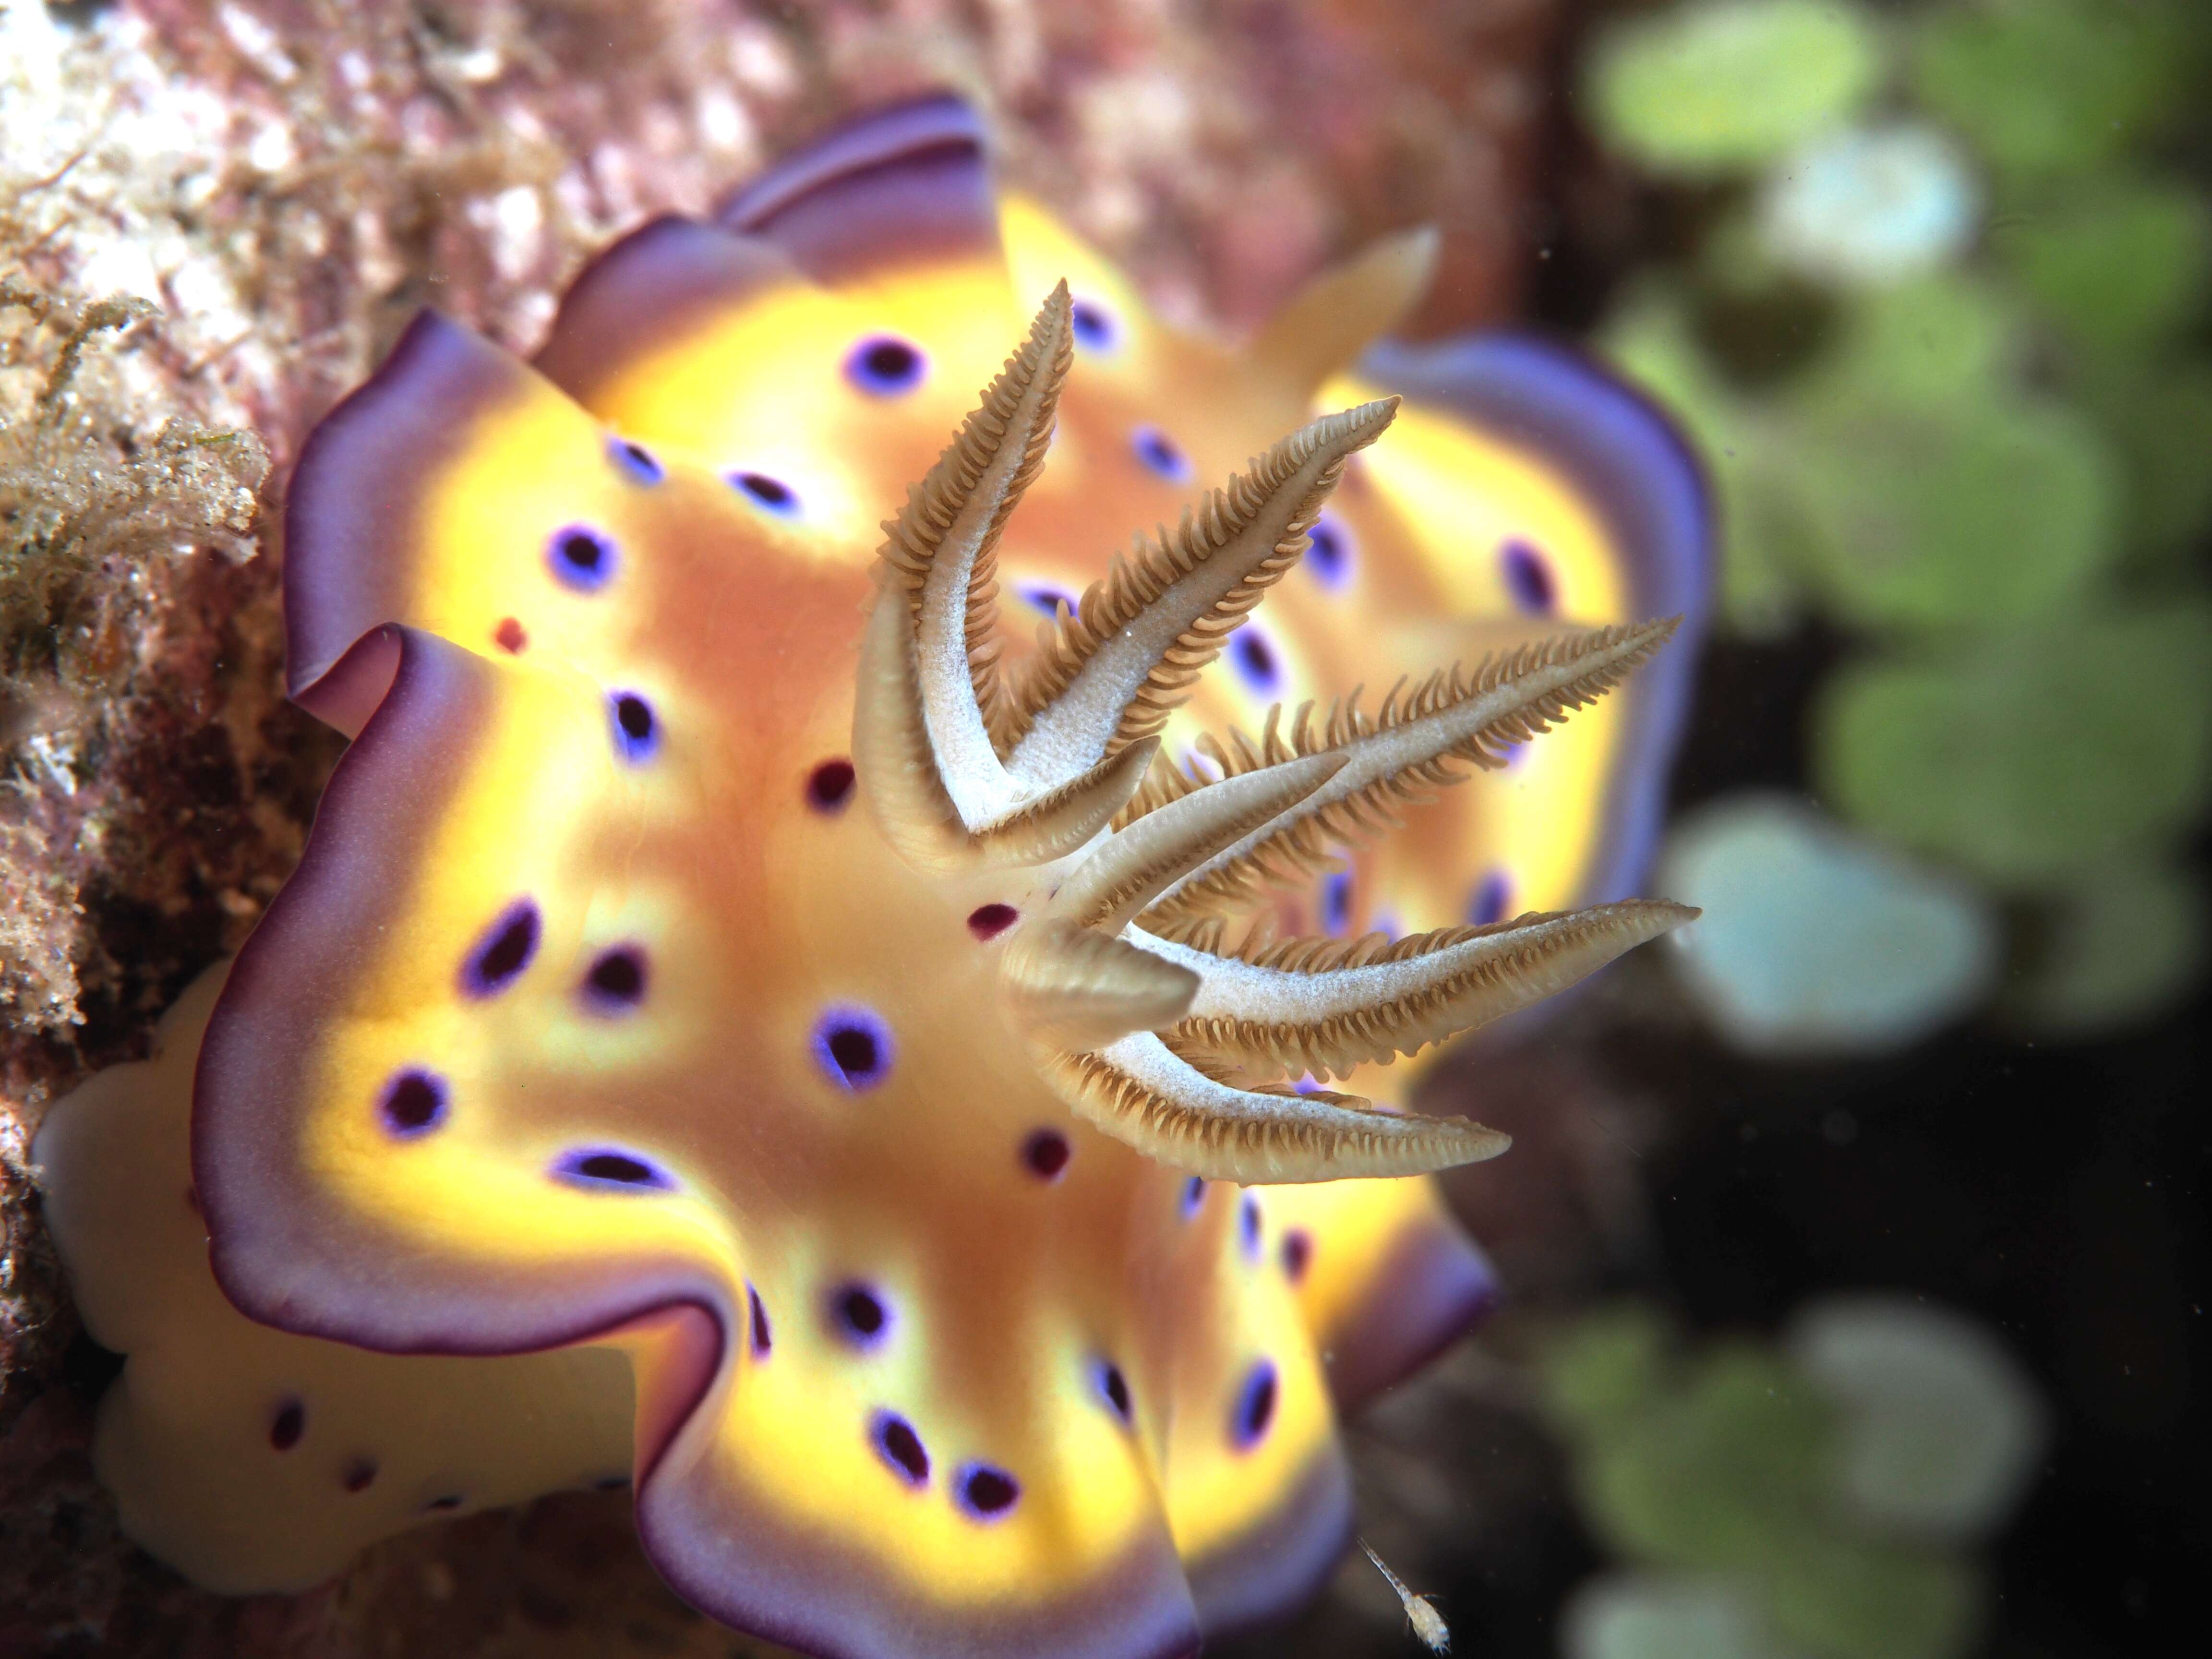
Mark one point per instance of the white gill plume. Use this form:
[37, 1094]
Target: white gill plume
[1142, 1017]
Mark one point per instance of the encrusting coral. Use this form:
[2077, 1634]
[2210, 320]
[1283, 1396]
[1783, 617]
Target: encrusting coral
[683, 966]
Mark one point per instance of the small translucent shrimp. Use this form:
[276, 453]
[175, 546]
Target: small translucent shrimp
[1428, 1623]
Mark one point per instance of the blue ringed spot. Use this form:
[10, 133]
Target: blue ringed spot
[1160, 454]
[770, 494]
[1256, 662]
[1193, 1194]
[1255, 1407]
[898, 1445]
[615, 982]
[581, 558]
[883, 366]
[504, 952]
[1093, 325]
[1336, 902]
[637, 730]
[414, 1103]
[1114, 1390]
[852, 1047]
[860, 1316]
[1328, 551]
[638, 462]
[1491, 897]
[985, 1493]
[1529, 577]
[1248, 1226]
[610, 1169]
[1053, 601]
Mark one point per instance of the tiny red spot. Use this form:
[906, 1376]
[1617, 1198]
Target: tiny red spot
[989, 921]
[509, 634]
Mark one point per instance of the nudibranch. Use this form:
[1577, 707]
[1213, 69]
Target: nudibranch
[911, 1103]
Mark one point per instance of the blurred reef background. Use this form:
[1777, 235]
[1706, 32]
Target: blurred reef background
[1857, 1247]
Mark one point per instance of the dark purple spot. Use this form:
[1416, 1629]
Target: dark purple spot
[615, 983]
[1193, 1194]
[609, 1169]
[1255, 1407]
[1255, 661]
[853, 1047]
[884, 366]
[1328, 551]
[1528, 577]
[193, 1199]
[771, 495]
[901, 1448]
[984, 1492]
[641, 463]
[1336, 901]
[989, 921]
[1046, 1154]
[609, 1483]
[1160, 455]
[288, 1425]
[1114, 1389]
[359, 1474]
[829, 785]
[858, 1315]
[451, 1501]
[509, 636]
[1297, 1255]
[581, 558]
[414, 1103]
[506, 950]
[1491, 897]
[1248, 1226]
[637, 733]
[763, 1338]
[1093, 326]
[1044, 597]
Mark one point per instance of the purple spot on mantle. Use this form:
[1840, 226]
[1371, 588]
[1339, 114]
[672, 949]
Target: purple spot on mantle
[1193, 1194]
[1329, 552]
[638, 462]
[1248, 1226]
[414, 1103]
[1528, 577]
[770, 494]
[1045, 1154]
[1093, 325]
[611, 1169]
[1491, 897]
[1255, 1407]
[615, 981]
[763, 1339]
[853, 1047]
[1160, 454]
[860, 1316]
[288, 1425]
[900, 1446]
[1297, 1255]
[637, 733]
[883, 366]
[829, 785]
[984, 1492]
[1114, 1390]
[504, 952]
[1255, 661]
[581, 558]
